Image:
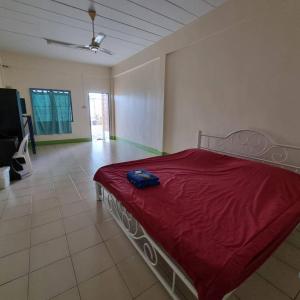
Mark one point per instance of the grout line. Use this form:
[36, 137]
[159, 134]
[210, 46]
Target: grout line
[54, 238]
[84, 249]
[75, 286]
[270, 283]
[29, 259]
[284, 262]
[76, 279]
[148, 288]
[124, 281]
[77, 191]
[49, 264]
[11, 280]
[296, 297]
[14, 218]
[15, 252]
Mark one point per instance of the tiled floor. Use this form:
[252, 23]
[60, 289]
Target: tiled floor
[58, 242]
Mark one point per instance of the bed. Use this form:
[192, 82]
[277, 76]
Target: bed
[220, 211]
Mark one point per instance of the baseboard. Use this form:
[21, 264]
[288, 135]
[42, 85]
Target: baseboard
[65, 141]
[140, 146]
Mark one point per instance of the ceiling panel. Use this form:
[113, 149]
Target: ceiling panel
[136, 10]
[129, 25]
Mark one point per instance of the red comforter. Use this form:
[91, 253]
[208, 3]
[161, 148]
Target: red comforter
[219, 217]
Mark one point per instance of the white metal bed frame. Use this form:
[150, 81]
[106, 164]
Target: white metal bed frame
[249, 144]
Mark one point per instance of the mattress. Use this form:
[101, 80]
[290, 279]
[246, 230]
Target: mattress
[217, 216]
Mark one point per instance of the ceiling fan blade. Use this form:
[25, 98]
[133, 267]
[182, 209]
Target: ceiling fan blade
[75, 46]
[61, 43]
[99, 38]
[106, 51]
[83, 47]
[50, 41]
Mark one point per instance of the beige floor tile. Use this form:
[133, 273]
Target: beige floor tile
[4, 194]
[47, 232]
[15, 225]
[294, 238]
[289, 254]
[77, 173]
[60, 179]
[14, 242]
[52, 280]
[14, 266]
[87, 189]
[91, 262]
[46, 216]
[281, 275]
[256, 288]
[108, 284]
[74, 208]
[72, 294]
[49, 252]
[99, 213]
[77, 222]
[40, 178]
[108, 229]
[157, 292]
[19, 201]
[43, 196]
[66, 197]
[16, 212]
[43, 188]
[96, 208]
[120, 248]
[136, 274]
[67, 190]
[83, 238]
[63, 185]
[44, 204]
[3, 205]
[89, 194]
[80, 179]
[20, 192]
[15, 290]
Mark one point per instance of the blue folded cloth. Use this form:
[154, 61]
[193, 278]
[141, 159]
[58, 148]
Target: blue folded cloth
[142, 178]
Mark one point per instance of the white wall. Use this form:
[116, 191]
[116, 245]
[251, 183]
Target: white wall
[236, 67]
[27, 72]
[139, 104]
[244, 77]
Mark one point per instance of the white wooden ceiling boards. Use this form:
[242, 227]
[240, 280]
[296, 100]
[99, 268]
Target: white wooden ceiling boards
[129, 25]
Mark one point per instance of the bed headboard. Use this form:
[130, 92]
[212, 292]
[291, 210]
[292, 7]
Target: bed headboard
[253, 145]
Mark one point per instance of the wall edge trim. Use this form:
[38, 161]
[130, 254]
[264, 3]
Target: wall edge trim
[64, 141]
[136, 67]
[140, 146]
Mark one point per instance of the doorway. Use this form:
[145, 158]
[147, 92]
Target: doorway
[99, 116]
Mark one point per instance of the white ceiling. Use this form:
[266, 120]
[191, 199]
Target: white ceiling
[129, 25]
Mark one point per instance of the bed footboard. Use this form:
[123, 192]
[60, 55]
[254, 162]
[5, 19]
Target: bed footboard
[172, 277]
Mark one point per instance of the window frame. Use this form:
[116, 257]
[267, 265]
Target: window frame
[51, 90]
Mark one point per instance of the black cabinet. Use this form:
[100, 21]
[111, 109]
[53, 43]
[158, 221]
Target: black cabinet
[11, 121]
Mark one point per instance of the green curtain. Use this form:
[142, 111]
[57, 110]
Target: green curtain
[52, 111]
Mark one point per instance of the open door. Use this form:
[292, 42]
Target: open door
[99, 116]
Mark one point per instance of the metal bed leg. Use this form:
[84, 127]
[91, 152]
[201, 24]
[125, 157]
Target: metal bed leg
[99, 192]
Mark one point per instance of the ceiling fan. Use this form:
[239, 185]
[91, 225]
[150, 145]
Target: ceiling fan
[94, 46]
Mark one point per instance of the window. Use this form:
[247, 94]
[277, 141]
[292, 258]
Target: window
[52, 111]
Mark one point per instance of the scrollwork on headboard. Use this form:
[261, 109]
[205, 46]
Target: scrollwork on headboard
[253, 145]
